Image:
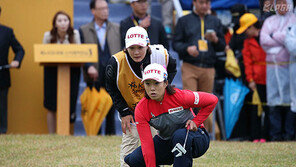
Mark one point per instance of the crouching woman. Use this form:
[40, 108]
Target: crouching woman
[169, 110]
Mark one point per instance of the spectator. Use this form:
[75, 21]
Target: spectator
[236, 44]
[167, 8]
[7, 40]
[158, 109]
[197, 48]
[255, 70]
[272, 38]
[237, 40]
[123, 81]
[290, 44]
[62, 32]
[106, 35]
[139, 17]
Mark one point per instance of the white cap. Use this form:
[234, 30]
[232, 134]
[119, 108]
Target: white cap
[136, 36]
[156, 72]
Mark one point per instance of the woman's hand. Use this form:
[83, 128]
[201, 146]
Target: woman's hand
[252, 85]
[192, 125]
[126, 123]
[14, 64]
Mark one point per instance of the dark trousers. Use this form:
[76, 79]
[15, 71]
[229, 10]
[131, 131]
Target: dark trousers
[257, 130]
[110, 122]
[3, 110]
[197, 144]
[282, 123]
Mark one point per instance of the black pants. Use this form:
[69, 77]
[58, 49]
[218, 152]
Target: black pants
[197, 144]
[282, 123]
[3, 110]
[110, 122]
[257, 130]
[50, 89]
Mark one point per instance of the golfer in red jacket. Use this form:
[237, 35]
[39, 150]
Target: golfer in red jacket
[169, 111]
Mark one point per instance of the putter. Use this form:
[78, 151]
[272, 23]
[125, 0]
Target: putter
[178, 147]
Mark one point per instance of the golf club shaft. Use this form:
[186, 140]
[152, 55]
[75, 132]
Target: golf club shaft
[186, 138]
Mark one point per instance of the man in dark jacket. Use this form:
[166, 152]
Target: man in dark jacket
[7, 39]
[106, 35]
[198, 36]
[139, 17]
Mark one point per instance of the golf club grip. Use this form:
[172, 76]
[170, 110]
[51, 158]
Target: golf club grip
[188, 127]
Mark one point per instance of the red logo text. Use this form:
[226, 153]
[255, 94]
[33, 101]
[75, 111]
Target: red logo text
[135, 36]
[152, 71]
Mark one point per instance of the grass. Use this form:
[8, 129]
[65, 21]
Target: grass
[103, 151]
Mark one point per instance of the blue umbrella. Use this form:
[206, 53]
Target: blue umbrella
[234, 95]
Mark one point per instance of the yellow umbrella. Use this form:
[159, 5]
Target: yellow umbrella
[256, 101]
[231, 64]
[95, 106]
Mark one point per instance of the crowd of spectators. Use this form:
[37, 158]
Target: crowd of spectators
[258, 43]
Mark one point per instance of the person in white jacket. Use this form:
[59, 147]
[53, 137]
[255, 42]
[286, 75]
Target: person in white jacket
[272, 39]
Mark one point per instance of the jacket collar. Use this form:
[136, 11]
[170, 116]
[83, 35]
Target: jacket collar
[133, 16]
[92, 25]
[195, 14]
[104, 26]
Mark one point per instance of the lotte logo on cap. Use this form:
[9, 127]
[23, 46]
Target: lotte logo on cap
[135, 36]
[152, 71]
[155, 72]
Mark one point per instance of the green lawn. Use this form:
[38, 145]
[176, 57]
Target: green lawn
[53, 150]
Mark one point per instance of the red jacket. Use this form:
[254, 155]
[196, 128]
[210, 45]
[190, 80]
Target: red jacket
[148, 108]
[254, 61]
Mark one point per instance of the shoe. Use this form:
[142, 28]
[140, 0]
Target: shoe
[262, 140]
[275, 139]
[256, 141]
[288, 138]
